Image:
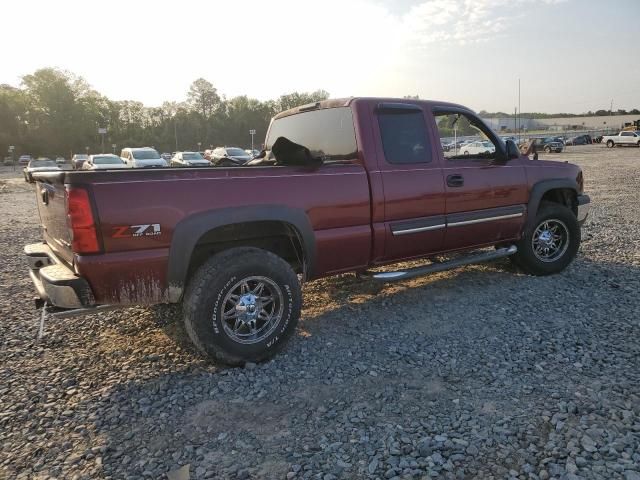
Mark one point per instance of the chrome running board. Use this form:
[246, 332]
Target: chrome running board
[442, 266]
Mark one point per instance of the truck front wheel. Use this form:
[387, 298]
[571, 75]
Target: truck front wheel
[550, 243]
[242, 305]
[610, 143]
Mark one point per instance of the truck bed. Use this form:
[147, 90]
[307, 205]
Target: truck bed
[137, 213]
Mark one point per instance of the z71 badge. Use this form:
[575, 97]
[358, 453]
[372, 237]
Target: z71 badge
[127, 231]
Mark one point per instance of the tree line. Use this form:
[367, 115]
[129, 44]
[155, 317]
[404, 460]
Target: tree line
[55, 112]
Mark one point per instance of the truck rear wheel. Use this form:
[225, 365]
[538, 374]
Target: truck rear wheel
[242, 305]
[550, 243]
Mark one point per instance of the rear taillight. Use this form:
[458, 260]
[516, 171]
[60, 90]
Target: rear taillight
[81, 222]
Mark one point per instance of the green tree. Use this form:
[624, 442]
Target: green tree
[296, 99]
[203, 97]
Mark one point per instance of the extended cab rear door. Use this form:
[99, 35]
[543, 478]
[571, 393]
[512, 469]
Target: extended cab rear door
[414, 202]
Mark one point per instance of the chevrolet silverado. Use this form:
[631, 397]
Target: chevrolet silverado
[343, 185]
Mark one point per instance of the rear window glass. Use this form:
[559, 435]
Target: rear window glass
[238, 152]
[404, 136]
[146, 155]
[191, 156]
[106, 160]
[42, 163]
[327, 133]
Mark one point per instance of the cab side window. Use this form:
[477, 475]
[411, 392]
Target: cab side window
[464, 137]
[404, 136]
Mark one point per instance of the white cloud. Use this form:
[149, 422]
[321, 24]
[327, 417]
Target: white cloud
[461, 21]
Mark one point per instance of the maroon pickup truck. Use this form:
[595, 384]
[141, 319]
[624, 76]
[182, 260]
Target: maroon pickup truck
[342, 186]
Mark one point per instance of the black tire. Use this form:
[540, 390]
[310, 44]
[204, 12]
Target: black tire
[567, 223]
[610, 143]
[207, 294]
[547, 149]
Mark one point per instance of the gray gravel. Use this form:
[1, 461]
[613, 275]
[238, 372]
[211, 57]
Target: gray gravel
[478, 373]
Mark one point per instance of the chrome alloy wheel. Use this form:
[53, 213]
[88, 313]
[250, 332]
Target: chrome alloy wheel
[550, 240]
[252, 309]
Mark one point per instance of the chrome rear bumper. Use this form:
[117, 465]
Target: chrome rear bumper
[55, 282]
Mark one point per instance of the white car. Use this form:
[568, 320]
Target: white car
[189, 159]
[143, 157]
[625, 137]
[103, 162]
[39, 165]
[475, 148]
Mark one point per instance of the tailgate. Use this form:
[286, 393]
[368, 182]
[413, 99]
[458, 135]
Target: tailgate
[51, 198]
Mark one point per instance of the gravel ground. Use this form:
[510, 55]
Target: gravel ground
[477, 373]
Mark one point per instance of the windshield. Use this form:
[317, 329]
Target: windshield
[146, 155]
[192, 156]
[236, 152]
[42, 163]
[106, 160]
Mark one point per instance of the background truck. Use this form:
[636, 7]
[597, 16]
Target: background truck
[628, 138]
[343, 186]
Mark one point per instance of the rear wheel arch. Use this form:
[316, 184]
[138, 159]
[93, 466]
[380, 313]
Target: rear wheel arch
[281, 230]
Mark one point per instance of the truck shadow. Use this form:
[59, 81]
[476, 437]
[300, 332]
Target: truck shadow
[249, 422]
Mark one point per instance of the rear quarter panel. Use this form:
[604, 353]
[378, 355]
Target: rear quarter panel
[335, 197]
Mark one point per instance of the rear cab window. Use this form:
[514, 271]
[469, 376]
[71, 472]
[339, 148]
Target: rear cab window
[328, 134]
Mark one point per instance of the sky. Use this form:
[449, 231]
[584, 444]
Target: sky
[570, 55]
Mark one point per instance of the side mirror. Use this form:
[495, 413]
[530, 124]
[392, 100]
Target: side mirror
[512, 150]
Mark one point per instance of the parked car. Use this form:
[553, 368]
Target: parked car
[61, 160]
[624, 138]
[233, 246]
[24, 159]
[229, 157]
[189, 159]
[475, 148]
[77, 160]
[105, 161]
[579, 140]
[167, 157]
[39, 165]
[548, 144]
[143, 157]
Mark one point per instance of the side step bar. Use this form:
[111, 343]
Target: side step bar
[442, 266]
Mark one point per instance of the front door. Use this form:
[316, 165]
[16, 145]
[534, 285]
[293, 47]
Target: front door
[485, 196]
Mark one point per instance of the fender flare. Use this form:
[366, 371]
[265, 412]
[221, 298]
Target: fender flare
[540, 188]
[189, 230]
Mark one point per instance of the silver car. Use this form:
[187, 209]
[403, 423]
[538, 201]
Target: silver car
[189, 159]
[39, 165]
[106, 161]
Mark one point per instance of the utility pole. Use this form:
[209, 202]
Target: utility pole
[102, 131]
[175, 131]
[519, 111]
[252, 132]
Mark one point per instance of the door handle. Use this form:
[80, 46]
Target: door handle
[455, 180]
